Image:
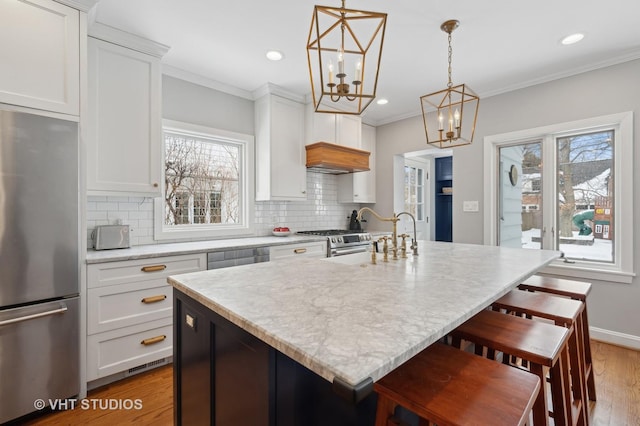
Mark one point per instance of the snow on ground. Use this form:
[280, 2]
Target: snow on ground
[601, 250]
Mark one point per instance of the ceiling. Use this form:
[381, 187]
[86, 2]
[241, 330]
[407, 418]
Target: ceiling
[501, 45]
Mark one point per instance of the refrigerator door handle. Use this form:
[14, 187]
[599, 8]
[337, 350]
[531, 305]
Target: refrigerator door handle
[60, 310]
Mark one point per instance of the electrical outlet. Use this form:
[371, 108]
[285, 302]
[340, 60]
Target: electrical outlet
[469, 206]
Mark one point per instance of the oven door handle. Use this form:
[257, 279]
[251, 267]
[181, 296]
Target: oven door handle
[336, 252]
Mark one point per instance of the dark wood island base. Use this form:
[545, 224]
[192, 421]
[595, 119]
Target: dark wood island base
[224, 376]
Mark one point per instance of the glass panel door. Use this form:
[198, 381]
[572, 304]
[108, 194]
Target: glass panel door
[520, 196]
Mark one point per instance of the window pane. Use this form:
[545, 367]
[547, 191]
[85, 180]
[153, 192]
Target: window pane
[585, 196]
[414, 191]
[520, 198]
[201, 181]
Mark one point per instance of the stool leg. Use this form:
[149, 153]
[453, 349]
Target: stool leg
[385, 410]
[577, 375]
[561, 397]
[540, 408]
[588, 364]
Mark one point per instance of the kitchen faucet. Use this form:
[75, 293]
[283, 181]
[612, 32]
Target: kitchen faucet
[414, 241]
[393, 219]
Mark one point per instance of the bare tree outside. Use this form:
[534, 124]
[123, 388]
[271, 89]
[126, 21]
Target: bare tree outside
[585, 166]
[201, 180]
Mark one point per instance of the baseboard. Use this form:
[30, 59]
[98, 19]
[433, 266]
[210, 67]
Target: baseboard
[613, 337]
[94, 384]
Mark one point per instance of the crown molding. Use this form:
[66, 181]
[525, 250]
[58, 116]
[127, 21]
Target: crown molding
[81, 5]
[200, 80]
[273, 89]
[113, 35]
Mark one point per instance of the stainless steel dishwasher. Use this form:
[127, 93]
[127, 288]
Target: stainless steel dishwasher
[228, 258]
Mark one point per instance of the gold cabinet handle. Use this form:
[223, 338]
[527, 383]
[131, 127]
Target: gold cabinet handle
[154, 299]
[152, 340]
[153, 268]
[300, 250]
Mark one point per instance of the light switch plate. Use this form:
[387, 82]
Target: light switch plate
[470, 206]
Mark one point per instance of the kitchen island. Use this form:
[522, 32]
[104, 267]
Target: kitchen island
[301, 342]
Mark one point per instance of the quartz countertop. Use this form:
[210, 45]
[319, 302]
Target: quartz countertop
[174, 249]
[346, 318]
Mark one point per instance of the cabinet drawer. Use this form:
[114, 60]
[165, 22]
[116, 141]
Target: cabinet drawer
[118, 350]
[124, 305]
[156, 270]
[312, 249]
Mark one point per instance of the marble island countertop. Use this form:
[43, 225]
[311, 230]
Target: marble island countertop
[348, 319]
[174, 249]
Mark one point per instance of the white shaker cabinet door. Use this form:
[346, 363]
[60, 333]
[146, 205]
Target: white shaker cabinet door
[360, 187]
[281, 173]
[125, 129]
[40, 53]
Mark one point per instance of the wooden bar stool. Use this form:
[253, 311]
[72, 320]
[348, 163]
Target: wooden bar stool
[544, 346]
[577, 290]
[448, 387]
[563, 312]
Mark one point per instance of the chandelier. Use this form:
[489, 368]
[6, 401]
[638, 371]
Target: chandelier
[344, 51]
[450, 115]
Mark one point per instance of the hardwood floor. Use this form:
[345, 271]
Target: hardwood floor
[154, 389]
[617, 386]
[617, 372]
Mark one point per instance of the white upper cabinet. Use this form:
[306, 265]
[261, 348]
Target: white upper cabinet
[349, 131]
[281, 173]
[340, 129]
[360, 187]
[124, 146]
[40, 53]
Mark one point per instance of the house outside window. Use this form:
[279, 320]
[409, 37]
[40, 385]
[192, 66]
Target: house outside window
[208, 183]
[573, 194]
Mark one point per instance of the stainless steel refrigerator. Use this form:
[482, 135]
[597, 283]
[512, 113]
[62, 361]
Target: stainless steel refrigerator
[39, 270]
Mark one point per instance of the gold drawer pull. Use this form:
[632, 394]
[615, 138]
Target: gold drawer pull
[300, 250]
[154, 299]
[153, 268]
[152, 340]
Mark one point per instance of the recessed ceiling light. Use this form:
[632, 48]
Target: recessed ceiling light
[382, 101]
[274, 55]
[573, 38]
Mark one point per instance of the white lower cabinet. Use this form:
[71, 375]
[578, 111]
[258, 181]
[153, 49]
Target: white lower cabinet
[129, 312]
[119, 350]
[303, 249]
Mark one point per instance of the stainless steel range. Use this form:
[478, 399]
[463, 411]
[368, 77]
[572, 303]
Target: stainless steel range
[341, 242]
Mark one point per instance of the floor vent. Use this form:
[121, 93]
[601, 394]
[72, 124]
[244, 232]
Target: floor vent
[145, 367]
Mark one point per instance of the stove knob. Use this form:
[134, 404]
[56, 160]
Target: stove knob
[339, 239]
[333, 239]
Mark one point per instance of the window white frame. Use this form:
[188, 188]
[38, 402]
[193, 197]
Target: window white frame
[418, 186]
[246, 185]
[622, 269]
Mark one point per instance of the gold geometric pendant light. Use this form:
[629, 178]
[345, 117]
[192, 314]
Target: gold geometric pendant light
[344, 50]
[450, 114]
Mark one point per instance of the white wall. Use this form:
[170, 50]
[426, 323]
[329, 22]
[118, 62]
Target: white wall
[612, 307]
[192, 103]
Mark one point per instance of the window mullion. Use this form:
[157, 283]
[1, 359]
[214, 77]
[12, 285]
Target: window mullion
[550, 193]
